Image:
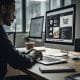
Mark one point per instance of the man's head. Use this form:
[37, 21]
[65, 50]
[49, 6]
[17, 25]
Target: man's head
[7, 10]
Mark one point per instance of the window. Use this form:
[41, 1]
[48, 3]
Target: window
[18, 20]
[54, 4]
[19, 15]
[67, 2]
[35, 8]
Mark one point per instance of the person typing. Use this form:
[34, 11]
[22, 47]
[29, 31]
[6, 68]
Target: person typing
[8, 53]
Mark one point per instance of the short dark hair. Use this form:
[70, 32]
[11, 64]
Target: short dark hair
[6, 2]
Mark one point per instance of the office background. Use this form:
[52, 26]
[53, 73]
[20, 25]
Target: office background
[27, 9]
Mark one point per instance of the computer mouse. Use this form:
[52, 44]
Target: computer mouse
[76, 58]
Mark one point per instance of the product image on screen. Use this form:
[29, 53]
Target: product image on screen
[60, 25]
[36, 27]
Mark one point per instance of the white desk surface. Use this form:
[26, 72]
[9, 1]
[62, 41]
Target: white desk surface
[46, 51]
[35, 72]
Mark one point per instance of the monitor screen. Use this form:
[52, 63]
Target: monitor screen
[60, 25]
[36, 27]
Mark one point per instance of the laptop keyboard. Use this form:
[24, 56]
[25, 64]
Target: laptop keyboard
[49, 59]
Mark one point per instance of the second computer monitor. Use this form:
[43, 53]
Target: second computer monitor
[36, 27]
[60, 25]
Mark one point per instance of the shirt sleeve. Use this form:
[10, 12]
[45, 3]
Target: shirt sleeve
[13, 56]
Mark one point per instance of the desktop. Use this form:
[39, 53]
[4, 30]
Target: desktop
[36, 27]
[60, 27]
[36, 30]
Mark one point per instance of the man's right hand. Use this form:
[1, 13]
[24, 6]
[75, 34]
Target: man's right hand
[36, 54]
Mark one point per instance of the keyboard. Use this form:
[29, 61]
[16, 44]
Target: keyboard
[48, 60]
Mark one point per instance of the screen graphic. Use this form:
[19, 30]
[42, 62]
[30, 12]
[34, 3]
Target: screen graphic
[60, 25]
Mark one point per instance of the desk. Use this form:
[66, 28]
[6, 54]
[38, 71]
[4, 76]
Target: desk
[34, 71]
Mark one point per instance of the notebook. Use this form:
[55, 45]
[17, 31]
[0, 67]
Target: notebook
[56, 69]
[48, 60]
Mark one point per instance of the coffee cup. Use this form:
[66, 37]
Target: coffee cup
[29, 45]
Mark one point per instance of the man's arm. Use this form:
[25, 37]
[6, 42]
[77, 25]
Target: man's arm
[14, 57]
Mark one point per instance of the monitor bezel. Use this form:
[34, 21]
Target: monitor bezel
[41, 30]
[74, 17]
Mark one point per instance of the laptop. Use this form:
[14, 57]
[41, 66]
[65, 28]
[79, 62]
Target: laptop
[48, 60]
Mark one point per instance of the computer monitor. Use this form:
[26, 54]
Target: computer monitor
[60, 25]
[36, 27]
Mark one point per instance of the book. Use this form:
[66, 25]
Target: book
[52, 69]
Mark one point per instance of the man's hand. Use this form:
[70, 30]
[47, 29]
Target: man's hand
[36, 54]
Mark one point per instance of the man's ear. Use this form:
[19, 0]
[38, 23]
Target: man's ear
[3, 9]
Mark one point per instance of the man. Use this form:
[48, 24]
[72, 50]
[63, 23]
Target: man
[8, 53]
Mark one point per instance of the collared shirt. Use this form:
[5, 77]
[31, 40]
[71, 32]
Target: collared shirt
[9, 55]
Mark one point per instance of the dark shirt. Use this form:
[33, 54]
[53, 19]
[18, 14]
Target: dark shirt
[9, 55]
